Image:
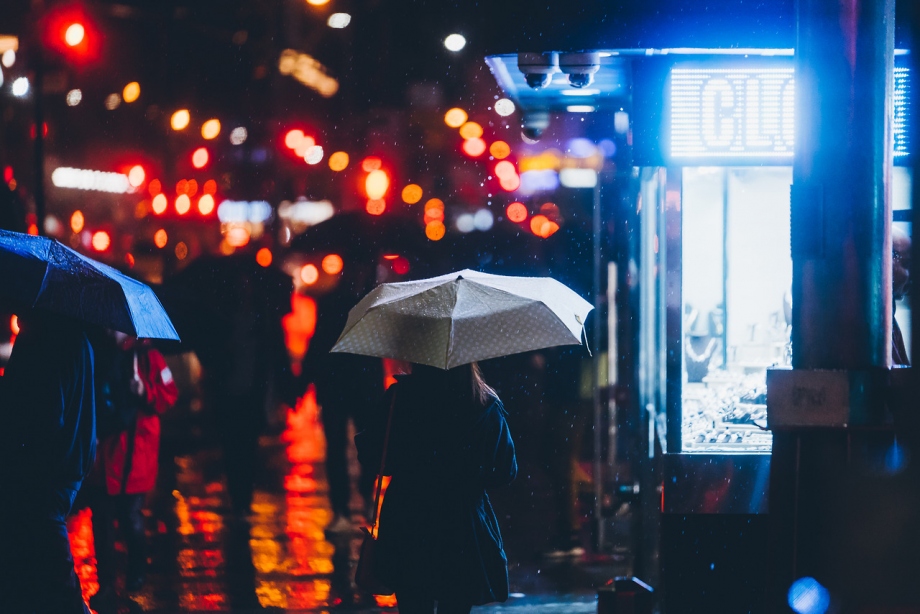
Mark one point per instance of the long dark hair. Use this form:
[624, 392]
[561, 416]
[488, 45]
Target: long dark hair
[464, 381]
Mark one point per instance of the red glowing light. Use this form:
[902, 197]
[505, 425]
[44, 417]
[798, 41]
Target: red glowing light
[264, 257]
[474, 147]
[400, 266]
[8, 174]
[505, 169]
[390, 256]
[333, 264]
[517, 212]
[371, 163]
[101, 241]
[510, 183]
[155, 187]
[210, 187]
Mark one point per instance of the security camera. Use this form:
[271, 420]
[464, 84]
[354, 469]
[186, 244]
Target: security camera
[580, 67]
[535, 122]
[538, 68]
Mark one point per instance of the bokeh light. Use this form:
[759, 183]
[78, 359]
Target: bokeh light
[338, 161]
[435, 230]
[499, 150]
[400, 265]
[131, 92]
[181, 250]
[510, 183]
[180, 119]
[191, 188]
[317, 2]
[470, 130]
[333, 264]
[309, 274]
[504, 107]
[210, 187]
[183, 204]
[206, 204]
[20, 87]
[159, 204]
[74, 34]
[376, 206]
[14, 324]
[210, 129]
[112, 102]
[200, 157]
[474, 147]
[376, 184]
[136, 176]
[411, 194]
[293, 138]
[808, 596]
[129, 260]
[542, 226]
[155, 187]
[455, 42]
[8, 58]
[74, 97]
[238, 135]
[505, 169]
[455, 117]
[264, 257]
[314, 155]
[77, 221]
[338, 20]
[160, 238]
[371, 163]
[101, 240]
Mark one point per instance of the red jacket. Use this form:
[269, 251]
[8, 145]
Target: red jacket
[160, 393]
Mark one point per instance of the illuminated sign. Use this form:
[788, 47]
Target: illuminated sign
[83, 179]
[749, 113]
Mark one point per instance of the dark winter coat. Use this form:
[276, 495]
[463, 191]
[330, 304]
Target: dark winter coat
[438, 534]
[47, 410]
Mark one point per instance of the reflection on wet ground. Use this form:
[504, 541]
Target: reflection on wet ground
[203, 558]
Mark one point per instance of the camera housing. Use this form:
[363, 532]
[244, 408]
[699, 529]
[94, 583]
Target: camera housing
[580, 67]
[538, 68]
[533, 125]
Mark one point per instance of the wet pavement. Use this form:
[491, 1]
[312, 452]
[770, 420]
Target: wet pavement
[204, 558]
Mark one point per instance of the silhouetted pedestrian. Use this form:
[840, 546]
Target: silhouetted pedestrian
[137, 387]
[347, 387]
[438, 540]
[47, 446]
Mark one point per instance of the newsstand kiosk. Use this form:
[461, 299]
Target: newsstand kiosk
[705, 291]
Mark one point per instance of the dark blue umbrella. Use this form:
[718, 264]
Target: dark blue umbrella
[40, 273]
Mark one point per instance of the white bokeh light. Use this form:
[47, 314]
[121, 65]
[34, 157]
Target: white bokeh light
[455, 42]
[465, 222]
[504, 107]
[339, 20]
[238, 135]
[112, 102]
[483, 219]
[9, 58]
[74, 97]
[314, 155]
[20, 87]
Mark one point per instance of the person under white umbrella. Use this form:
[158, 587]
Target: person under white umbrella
[442, 432]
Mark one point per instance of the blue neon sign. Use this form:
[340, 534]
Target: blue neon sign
[723, 113]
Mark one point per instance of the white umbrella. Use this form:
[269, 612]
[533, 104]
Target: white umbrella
[463, 317]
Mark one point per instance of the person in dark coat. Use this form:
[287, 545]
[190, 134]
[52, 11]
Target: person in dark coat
[438, 538]
[47, 446]
[347, 387]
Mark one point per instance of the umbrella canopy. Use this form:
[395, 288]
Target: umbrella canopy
[463, 317]
[42, 274]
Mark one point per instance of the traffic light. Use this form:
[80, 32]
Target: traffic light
[70, 32]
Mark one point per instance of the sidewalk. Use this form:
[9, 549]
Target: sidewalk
[203, 559]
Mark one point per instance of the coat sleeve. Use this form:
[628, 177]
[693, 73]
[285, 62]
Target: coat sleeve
[159, 384]
[497, 460]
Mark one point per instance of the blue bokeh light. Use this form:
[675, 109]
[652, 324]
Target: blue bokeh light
[807, 596]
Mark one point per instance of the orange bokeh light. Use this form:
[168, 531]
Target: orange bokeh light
[136, 176]
[505, 169]
[435, 230]
[155, 187]
[371, 163]
[309, 274]
[434, 203]
[542, 226]
[183, 204]
[517, 212]
[434, 215]
[77, 221]
[376, 184]
[333, 264]
[474, 147]
[159, 204]
[101, 241]
[200, 157]
[338, 161]
[14, 324]
[160, 238]
[455, 117]
[264, 257]
[510, 183]
[210, 187]
[206, 204]
[376, 206]
[411, 194]
[471, 130]
[499, 150]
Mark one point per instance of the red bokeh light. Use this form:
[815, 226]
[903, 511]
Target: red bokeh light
[517, 212]
[376, 207]
[371, 163]
[400, 266]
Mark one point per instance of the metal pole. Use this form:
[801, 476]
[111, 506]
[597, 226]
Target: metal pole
[38, 147]
[599, 423]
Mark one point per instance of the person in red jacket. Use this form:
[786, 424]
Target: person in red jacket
[139, 386]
